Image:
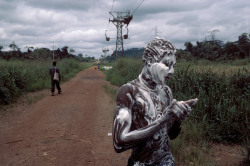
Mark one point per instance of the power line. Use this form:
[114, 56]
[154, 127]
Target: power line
[112, 5]
[107, 38]
[109, 20]
[138, 6]
[110, 16]
[121, 19]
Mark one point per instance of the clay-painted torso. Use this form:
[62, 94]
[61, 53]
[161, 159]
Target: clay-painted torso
[148, 106]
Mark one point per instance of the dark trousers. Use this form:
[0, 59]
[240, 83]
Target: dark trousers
[53, 83]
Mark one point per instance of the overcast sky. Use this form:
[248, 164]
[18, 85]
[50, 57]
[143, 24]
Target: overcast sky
[81, 24]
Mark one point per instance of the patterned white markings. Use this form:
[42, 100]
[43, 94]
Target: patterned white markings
[124, 116]
[159, 71]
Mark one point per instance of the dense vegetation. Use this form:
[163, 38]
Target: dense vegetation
[207, 49]
[223, 91]
[217, 50]
[28, 71]
[222, 113]
[18, 77]
[41, 53]
[132, 52]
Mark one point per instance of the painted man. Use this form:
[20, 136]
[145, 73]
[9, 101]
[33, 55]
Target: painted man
[147, 116]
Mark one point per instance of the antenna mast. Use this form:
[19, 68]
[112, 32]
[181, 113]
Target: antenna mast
[53, 51]
[119, 21]
[156, 31]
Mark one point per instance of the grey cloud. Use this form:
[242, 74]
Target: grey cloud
[81, 24]
[59, 4]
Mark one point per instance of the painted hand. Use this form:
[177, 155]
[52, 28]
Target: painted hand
[182, 109]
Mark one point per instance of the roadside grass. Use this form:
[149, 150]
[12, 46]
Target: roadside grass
[87, 64]
[190, 148]
[34, 99]
[125, 70]
[222, 113]
[18, 77]
[227, 68]
[111, 91]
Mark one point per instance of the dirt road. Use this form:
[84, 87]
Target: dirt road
[67, 129]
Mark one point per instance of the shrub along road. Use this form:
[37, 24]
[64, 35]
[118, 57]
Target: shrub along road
[67, 129]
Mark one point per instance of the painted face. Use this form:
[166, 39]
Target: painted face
[162, 71]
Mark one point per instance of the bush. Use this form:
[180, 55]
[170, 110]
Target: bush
[17, 77]
[223, 93]
[125, 70]
[223, 102]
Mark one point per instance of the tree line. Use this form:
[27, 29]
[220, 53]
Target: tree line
[217, 50]
[207, 49]
[41, 53]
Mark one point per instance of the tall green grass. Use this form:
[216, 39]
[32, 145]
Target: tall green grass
[222, 113]
[223, 99]
[189, 148]
[223, 104]
[125, 70]
[17, 77]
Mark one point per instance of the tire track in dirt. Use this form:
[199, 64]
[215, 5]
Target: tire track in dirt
[67, 129]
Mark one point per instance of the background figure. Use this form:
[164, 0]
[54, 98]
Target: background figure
[147, 115]
[52, 71]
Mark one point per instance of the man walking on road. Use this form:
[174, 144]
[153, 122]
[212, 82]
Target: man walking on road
[55, 78]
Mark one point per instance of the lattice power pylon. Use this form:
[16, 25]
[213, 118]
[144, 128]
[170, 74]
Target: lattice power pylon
[119, 21]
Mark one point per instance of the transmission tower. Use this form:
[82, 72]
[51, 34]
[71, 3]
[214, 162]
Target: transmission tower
[156, 31]
[121, 19]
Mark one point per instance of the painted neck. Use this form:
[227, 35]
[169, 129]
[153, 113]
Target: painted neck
[147, 79]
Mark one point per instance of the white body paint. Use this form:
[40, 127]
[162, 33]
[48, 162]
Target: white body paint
[159, 71]
[124, 116]
[146, 113]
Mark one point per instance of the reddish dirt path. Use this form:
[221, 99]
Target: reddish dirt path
[67, 129]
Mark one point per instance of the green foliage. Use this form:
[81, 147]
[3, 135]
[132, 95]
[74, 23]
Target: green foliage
[223, 101]
[13, 46]
[217, 50]
[17, 77]
[222, 89]
[125, 70]
[111, 91]
[38, 53]
[132, 53]
[189, 148]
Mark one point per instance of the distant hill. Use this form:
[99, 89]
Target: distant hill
[132, 52]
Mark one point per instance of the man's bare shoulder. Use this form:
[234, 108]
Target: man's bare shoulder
[126, 92]
[129, 87]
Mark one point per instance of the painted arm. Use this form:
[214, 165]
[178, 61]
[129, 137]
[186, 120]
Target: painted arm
[123, 138]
